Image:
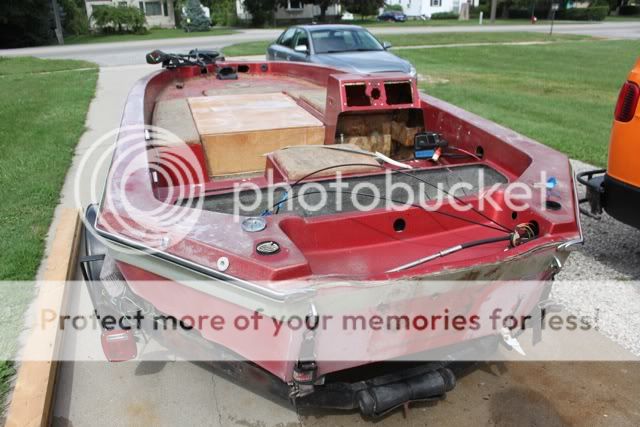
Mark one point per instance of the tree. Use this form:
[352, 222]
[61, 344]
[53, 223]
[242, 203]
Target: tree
[494, 9]
[74, 19]
[195, 19]
[363, 7]
[324, 5]
[25, 23]
[261, 11]
[223, 12]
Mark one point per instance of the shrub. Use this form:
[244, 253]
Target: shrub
[597, 13]
[525, 12]
[444, 15]
[393, 8]
[519, 13]
[195, 19]
[474, 12]
[629, 10]
[119, 19]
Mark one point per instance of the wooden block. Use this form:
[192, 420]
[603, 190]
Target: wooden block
[369, 132]
[238, 131]
[245, 151]
[33, 393]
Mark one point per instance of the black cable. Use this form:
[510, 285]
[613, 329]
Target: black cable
[484, 241]
[449, 251]
[457, 198]
[309, 175]
[505, 229]
[295, 196]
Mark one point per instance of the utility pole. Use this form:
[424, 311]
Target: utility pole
[56, 17]
[494, 10]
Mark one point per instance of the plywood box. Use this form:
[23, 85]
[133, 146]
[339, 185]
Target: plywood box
[238, 130]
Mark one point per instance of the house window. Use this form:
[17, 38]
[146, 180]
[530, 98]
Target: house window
[294, 4]
[436, 3]
[165, 8]
[141, 4]
[152, 8]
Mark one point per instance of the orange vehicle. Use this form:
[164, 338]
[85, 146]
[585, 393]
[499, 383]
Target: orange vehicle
[617, 189]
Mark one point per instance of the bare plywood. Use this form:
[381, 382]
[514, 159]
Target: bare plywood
[215, 115]
[237, 131]
[33, 393]
[298, 162]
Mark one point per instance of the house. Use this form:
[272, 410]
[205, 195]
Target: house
[425, 8]
[295, 10]
[159, 13]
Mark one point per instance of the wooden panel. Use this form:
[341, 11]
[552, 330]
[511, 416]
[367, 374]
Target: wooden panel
[216, 115]
[298, 162]
[238, 131]
[245, 152]
[33, 393]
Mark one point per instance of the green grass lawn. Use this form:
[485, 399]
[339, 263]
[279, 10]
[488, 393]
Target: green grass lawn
[399, 40]
[42, 116]
[562, 94]
[372, 22]
[623, 18]
[153, 34]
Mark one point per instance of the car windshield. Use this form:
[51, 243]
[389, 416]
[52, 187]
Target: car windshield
[344, 40]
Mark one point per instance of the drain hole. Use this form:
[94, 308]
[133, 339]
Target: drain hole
[399, 225]
[514, 215]
[243, 68]
[553, 206]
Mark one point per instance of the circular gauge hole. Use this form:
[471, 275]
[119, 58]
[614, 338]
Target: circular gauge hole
[399, 225]
[552, 205]
[243, 68]
[375, 93]
[480, 152]
[535, 227]
[264, 68]
[514, 215]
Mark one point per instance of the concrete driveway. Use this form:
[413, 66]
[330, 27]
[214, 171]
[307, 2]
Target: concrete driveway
[178, 393]
[115, 54]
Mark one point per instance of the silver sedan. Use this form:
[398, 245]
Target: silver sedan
[346, 47]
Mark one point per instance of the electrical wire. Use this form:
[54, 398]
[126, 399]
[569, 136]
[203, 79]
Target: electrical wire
[451, 250]
[297, 182]
[400, 202]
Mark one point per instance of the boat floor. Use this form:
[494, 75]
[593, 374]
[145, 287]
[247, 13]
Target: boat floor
[476, 176]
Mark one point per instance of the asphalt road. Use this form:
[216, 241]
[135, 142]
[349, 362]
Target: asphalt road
[130, 53]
